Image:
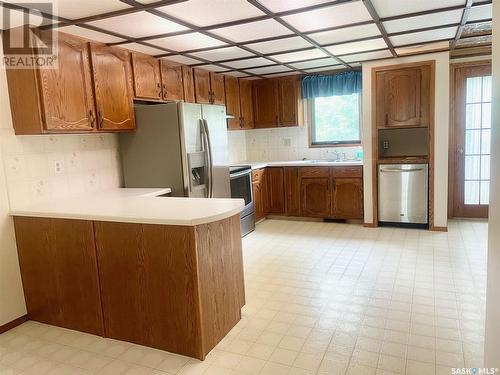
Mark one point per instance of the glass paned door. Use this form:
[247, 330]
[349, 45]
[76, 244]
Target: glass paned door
[472, 131]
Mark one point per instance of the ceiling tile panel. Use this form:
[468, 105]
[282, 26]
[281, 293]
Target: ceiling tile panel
[280, 45]
[367, 56]
[355, 47]
[138, 25]
[78, 9]
[142, 48]
[429, 20]
[183, 59]
[269, 69]
[429, 47]
[187, 42]
[252, 31]
[283, 5]
[204, 13]
[424, 36]
[213, 68]
[325, 68]
[482, 12]
[90, 34]
[389, 8]
[315, 63]
[336, 15]
[223, 53]
[345, 34]
[282, 74]
[237, 74]
[301, 55]
[258, 61]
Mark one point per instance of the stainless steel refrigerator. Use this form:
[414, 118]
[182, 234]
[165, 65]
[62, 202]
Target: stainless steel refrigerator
[178, 145]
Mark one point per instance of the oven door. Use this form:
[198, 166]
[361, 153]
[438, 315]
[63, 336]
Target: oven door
[241, 187]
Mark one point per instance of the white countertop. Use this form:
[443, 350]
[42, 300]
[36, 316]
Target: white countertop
[136, 206]
[301, 163]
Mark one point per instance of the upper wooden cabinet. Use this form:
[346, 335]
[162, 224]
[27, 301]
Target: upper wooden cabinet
[246, 104]
[171, 80]
[202, 90]
[277, 102]
[188, 84]
[113, 88]
[147, 77]
[54, 100]
[233, 108]
[218, 95]
[403, 97]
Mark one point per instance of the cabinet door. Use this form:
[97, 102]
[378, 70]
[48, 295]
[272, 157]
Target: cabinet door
[292, 191]
[66, 92]
[233, 102]
[288, 101]
[202, 86]
[347, 198]
[218, 95]
[265, 103]
[188, 83]
[315, 197]
[113, 88]
[171, 80]
[147, 78]
[275, 193]
[246, 102]
[258, 200]
[401, 101]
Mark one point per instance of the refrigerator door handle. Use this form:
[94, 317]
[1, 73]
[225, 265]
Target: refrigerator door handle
[210, 159]
[204, 139]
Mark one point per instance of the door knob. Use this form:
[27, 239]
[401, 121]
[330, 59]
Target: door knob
[460, 150]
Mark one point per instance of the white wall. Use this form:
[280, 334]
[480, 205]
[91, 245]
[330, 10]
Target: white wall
[27, 174]
[442, 106]
[492, 335]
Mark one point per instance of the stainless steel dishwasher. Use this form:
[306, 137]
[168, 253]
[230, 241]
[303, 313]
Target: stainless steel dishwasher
[403, 193]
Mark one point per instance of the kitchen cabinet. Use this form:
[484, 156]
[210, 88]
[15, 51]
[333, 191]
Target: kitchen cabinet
[315, 197]
[258, 193]
[188, 84]
[147, 77]
[274, 190]
[403, 97]
[171, 81]
[217, 92]
[113, 88]
[246, 104]
[54, 100]
[288, 91]
[202, 90]
[292, 191]
[233, 108]
[347, 202]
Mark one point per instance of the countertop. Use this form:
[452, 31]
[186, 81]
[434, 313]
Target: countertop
[136, 206]
[301, 163]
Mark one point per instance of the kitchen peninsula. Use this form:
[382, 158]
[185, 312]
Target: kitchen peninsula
[132, 265]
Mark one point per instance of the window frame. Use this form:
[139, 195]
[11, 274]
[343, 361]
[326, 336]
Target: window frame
[311, 126]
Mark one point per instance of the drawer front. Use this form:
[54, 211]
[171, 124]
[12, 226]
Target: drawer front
[314, 172]
[350, 172]
[257, 174]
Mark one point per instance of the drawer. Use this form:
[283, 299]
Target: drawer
[257, 174]
[314, 172]
[349, 172]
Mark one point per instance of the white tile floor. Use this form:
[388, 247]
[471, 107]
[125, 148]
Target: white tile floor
[322, 298]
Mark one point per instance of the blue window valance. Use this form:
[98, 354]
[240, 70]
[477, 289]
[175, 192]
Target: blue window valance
[345, 83]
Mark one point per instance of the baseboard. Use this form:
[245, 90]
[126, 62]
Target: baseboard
[13, 324]
[370, 225]
[438, 229]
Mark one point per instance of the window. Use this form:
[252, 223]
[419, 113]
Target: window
[335, 120]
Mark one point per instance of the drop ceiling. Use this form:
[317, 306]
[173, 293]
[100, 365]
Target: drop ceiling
[260, 38]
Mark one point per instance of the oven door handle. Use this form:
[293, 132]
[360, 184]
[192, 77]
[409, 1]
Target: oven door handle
[239, 174]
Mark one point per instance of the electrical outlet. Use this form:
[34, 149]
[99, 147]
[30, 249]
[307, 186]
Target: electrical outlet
[386, 145]
[58, 167]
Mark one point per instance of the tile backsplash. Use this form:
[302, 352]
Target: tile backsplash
[280, 144]
[41, 168]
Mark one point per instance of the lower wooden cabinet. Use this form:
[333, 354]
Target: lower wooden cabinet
[258, 193]
[274, 190]
[292, 191]
[347, 200]
[315, 200]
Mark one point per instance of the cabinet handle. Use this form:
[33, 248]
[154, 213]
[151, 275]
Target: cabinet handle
[92, 118]
[386, 119]
[100, 119]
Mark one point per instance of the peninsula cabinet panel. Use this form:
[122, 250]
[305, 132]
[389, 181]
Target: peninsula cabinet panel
[54, 100]
[232, 89]
[113, 88]
[147, 77]
[292, 191]
[172, 81]
[188, 84]
[265, 103]
[58, 265]
[347, 200]
[202, 86]
[315, 197]
[217, 93]
[275, 190]
[246, 101]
